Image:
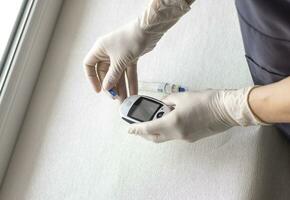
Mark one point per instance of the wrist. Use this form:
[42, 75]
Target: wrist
[236, 103]
[259, 103]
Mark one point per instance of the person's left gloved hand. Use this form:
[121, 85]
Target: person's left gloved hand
[199, 114]
[113, 57]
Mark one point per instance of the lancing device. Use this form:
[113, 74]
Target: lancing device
[139, 108]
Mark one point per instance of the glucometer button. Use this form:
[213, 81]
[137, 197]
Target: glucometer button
[160, 114]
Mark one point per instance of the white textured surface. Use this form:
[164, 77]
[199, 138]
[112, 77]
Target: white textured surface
[74, 146]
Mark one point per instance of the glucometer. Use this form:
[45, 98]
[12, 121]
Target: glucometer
[139, 108]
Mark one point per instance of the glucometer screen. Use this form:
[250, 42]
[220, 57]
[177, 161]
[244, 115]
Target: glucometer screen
[144, 109]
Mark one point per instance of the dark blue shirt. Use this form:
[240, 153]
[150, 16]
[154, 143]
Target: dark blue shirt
[265, 27]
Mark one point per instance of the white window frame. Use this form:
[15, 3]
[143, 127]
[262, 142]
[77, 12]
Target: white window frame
[14, 34]
[21, 70]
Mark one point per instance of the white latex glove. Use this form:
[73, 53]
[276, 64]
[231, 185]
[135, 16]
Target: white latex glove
[198, 115]
[117, 53]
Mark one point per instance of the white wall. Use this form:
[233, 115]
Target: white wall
[73, 145]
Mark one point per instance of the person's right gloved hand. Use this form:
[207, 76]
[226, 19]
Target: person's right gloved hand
[199, 114]
[117, 53]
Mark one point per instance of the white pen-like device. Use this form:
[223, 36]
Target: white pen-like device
[166, 88]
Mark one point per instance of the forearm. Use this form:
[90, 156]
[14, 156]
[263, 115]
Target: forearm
[160, 16]
[271, 103]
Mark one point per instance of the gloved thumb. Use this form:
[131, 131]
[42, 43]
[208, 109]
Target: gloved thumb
[154, 131]
[113, 76]
[170, 100]
[157, 126]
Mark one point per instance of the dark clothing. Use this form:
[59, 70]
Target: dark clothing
[265, 27]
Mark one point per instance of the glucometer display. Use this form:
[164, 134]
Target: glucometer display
[144, 109]
[139, 108]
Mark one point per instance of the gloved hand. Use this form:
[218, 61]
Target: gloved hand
[118, 52]
[199, 114]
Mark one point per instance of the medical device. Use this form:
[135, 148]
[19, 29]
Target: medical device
[166, 88]
[139, 108]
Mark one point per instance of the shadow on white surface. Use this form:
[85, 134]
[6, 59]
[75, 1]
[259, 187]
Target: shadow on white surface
[271, 179]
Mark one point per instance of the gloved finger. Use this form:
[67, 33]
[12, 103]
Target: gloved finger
[132, 77]
[102, 69]
[122, 90]
[171, 99]
[158, 126]
[92, 77]
[94, 56]
[113, 76]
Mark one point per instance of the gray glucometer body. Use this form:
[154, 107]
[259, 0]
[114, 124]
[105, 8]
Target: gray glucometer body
[140, 108]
